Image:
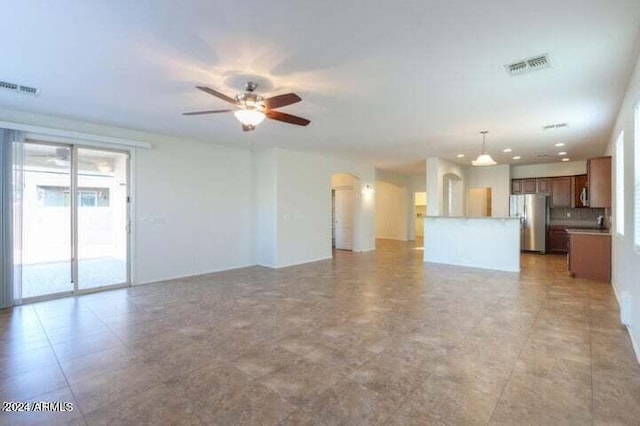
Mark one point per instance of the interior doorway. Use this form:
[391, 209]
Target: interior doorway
[343, 218]
[420, 208]
[73, 208]
[479, 202]
[452, 195]
[343, 204]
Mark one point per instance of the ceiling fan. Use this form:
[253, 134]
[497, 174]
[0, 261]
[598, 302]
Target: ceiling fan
[250, 108]
[62, 158]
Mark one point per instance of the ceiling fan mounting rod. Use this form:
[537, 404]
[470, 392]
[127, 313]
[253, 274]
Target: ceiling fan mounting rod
[250, 86]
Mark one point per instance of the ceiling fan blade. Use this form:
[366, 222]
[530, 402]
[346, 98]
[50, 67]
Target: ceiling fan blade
[207, 112]
[217, 94]
[248, 127]
[287, 118]
[281, 100]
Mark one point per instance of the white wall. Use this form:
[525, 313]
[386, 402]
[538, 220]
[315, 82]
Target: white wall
[392, 211]
[626, 259]
[494, 177]
[193, 201]
[413, 183]
[487, 243]
[304, 206]
[266, 207]
[193, 211]
[418, 183]
[437, 168]
[569, 168]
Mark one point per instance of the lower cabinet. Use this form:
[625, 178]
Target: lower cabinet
[558, 240]
[590, 256]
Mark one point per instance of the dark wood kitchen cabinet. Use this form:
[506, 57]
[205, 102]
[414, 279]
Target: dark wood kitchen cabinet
[516, 186]
[558, 240]
[561, 192]
[590, 255]
[580, 186]
[528, 186]
[543, 185]
[599, 171]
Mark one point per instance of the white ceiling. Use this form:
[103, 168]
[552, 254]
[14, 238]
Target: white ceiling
[388, 82]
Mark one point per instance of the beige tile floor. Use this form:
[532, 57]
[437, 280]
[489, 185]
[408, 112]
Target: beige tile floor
[375, 338]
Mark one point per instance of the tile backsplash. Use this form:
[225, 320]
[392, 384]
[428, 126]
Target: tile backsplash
[583, 214]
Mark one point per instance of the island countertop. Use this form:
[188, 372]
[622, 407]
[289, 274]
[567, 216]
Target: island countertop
[479, 242]
[472, 217]
[578, 231]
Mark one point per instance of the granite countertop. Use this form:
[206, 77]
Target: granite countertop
[603, 232]
[472, 217]
[576, 224]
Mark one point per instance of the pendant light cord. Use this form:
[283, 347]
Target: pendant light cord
[484, 134]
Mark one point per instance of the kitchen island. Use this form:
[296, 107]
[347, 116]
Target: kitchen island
[590, 254]
[480, 242]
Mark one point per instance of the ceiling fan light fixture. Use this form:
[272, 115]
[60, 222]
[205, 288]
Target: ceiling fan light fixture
[483, 159]
[249, 117]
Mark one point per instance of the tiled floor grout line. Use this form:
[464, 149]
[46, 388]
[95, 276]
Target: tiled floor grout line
[66, 379]
[524, 344]
[507, 310]
[408, 394]
[592, 408]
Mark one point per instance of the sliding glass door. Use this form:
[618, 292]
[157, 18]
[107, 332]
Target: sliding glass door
[73, 215]
[46, 243]
[102, 218]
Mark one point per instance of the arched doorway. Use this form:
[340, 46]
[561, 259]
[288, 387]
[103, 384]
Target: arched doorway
[452, 195]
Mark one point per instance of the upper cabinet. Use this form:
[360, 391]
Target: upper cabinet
[543, 185]
[561, 192]
[529, 186]
[590, 190]
[581, 191]
[599, 172]
[559, 189]
[516, 186]
[526, 186]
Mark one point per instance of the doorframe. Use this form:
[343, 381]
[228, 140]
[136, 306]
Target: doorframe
[334, 192]
[71, 195]
[127, 283]
[74, 145]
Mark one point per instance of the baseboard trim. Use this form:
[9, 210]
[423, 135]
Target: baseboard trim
[486, 268]
[288, 265]
[179, 277]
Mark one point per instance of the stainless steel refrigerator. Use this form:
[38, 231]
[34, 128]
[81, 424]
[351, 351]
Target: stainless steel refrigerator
[533, 211]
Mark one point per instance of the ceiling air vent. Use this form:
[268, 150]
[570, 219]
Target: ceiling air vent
[19, 88]
[555, 126]
[528, 65]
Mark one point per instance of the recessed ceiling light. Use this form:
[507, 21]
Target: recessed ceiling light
[517, 157]
[562, 153]
[565, 159]
[460, 155]
[506, 150]
[559, 144]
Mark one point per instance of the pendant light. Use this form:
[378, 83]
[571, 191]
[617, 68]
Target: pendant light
[484, 159]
